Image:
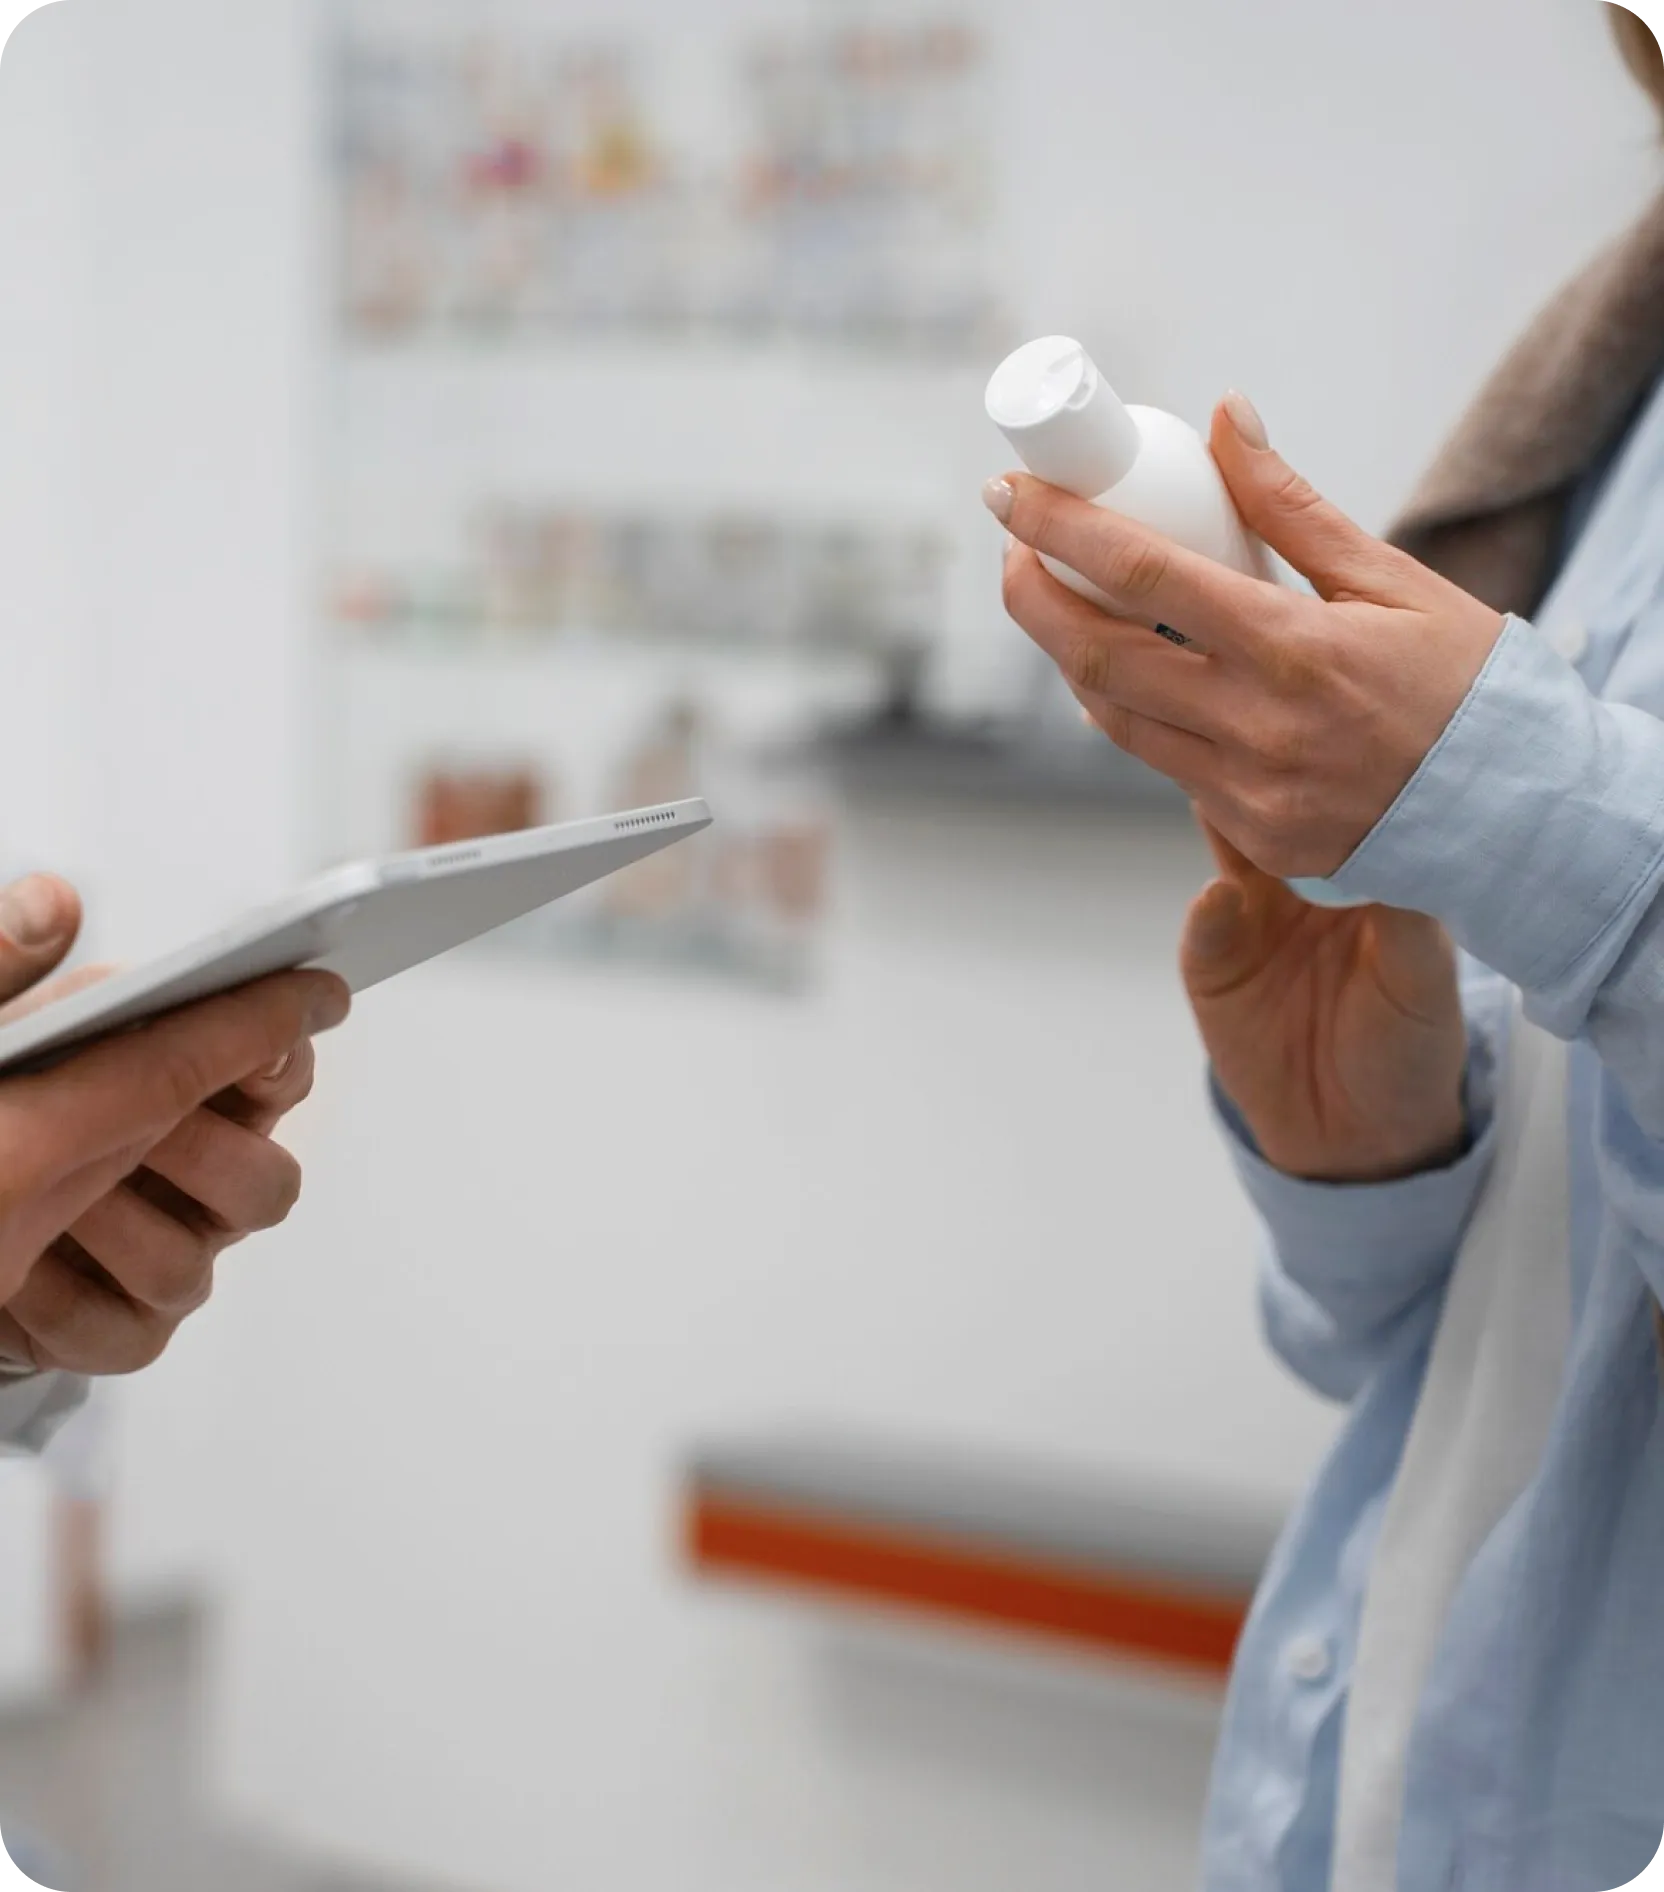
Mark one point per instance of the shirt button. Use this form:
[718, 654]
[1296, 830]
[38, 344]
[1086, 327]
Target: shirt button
[1309, 1659]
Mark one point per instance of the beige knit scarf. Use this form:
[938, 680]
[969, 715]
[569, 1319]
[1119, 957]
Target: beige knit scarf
[1488, 515]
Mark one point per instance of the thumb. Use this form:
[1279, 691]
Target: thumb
[1269, 900]
[39, 919]
[1293, 518]
[1219, 940]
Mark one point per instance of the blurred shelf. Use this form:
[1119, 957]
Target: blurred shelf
[464, 640]
[915, 760]
[668, 350]
[439, 682]
[1068, 1558]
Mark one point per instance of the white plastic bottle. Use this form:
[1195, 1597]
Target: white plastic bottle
[1073, 431]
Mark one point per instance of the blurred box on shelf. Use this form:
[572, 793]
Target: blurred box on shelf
[466, 804]
[749, 900]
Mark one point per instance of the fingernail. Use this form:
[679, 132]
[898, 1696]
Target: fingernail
[32, 913]
[276, 1073]
[1011, 543]
[328, 1008]
[1000, 497]
[1244, 416]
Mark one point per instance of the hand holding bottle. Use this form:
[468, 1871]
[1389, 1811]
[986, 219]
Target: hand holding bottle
[1300, 719]
[1339, 1036]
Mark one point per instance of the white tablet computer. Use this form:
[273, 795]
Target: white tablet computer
[366, 922]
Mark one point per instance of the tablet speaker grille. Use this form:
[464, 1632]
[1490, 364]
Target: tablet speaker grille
[661, 818]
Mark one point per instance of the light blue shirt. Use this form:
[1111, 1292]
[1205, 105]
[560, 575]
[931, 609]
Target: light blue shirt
[1535, 831]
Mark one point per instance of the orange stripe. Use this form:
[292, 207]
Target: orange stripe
[1130, 1615]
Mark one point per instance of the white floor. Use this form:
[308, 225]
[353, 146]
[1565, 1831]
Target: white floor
[1090, 1779]
[105, 1784]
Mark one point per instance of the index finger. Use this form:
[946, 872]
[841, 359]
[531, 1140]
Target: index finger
[137, 1087]
[1144, 575]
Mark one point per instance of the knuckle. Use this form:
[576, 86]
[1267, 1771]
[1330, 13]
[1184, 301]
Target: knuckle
[1285, 807]
[60, 1324]
[1087, 665]
[140, 1344]
[1282, 744]
[183, 1281]
[1045, 513]
[1296, 662]
[188, 1078]
[1136, 568]
[1276, 815]
[199, 1294]
[52, 1334]
[1117, 725]
[1293, 494]
[194, 1144]
[72, 1325]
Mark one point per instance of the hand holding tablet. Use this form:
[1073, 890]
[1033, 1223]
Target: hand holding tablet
[137, 1112]
[130, 1168]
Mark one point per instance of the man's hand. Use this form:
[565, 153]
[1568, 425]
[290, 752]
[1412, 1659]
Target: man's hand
[128, 1170]
[1338, 1035]
[1298, 721]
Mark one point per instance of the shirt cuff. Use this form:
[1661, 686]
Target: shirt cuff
[1363, 1249]
[32, 1410]
[1533, 827]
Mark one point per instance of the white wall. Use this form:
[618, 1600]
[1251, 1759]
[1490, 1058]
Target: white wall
[44, 777]
[192, 528]
[46, 783]
[557, 1227]
[966, 1194]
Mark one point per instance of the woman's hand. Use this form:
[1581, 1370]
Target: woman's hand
[1338, 1035]
[126, 1171]
[1298, 721]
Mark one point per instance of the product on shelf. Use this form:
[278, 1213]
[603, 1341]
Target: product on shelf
[525, 181]
[751, 896]
[454, 805]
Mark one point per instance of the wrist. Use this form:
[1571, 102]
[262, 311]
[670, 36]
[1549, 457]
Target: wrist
[1373, 1162]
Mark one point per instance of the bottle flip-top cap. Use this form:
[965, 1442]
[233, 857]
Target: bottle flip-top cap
[1063, 417]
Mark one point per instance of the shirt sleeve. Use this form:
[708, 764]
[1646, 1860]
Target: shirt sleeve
[32, 1410]
[1534, 830]
[1347, 1265]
